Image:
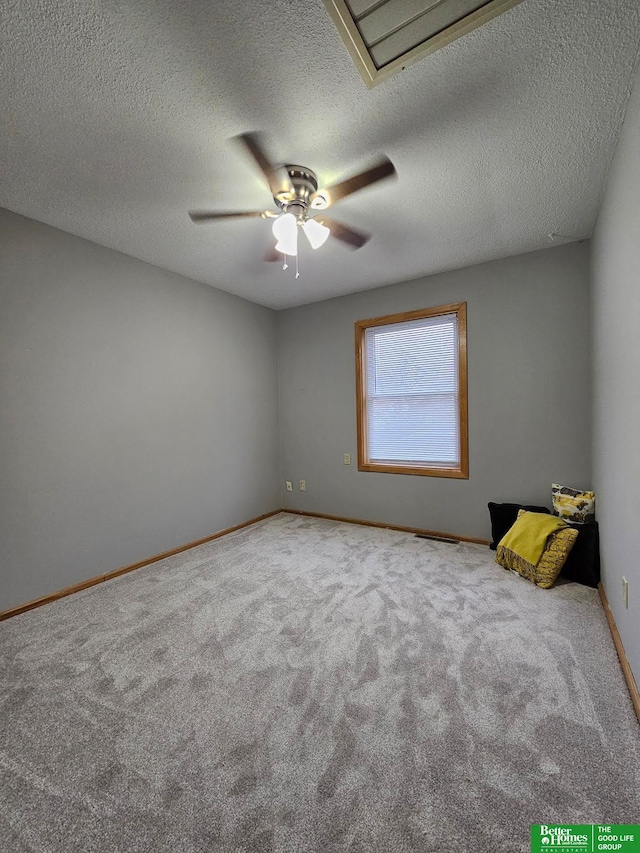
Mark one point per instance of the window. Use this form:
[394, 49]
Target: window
[411, 375]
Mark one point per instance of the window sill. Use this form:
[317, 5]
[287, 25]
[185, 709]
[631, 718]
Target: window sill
[420, 470]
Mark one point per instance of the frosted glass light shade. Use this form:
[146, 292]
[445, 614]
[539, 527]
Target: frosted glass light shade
[285, 230]
[316, 233]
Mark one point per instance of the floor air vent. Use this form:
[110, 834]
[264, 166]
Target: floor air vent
[438, 538]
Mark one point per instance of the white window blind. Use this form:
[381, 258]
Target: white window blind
[412, 392]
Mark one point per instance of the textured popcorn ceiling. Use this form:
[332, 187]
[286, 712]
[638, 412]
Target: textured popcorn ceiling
[117, 116]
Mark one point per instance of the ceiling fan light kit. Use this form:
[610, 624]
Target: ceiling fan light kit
[296, 196]
[316, 233]
[285, 230]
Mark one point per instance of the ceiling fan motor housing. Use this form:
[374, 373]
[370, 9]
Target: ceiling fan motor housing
[300, 211]
[305, 184]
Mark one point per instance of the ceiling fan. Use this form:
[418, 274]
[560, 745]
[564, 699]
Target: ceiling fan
[299, 203]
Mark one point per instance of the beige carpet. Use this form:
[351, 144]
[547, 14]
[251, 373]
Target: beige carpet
[305, 685]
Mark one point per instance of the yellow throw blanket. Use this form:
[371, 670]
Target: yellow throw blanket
[528, 536]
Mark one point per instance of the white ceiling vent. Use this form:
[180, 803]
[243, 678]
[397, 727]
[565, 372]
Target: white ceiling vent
[384, 36]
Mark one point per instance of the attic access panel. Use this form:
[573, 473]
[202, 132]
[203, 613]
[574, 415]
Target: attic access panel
[385, 36]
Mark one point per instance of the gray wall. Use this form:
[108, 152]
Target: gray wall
[529, 394]
[616, 376]
[138, 410]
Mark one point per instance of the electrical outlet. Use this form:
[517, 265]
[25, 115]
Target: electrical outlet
[303, 485]
[347, 459]
[289, 485]
[625, 592]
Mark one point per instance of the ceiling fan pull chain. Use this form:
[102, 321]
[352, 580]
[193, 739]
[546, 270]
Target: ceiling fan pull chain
[285, 265]
[297, 272]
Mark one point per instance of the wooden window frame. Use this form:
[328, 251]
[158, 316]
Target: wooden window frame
[364, 464]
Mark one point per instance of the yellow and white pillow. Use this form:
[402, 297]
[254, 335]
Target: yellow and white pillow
[573, 505]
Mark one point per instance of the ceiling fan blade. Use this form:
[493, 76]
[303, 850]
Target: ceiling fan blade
[277, 176]
[210, 215]
[348, 235]
[383, 169]
[271, 255]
